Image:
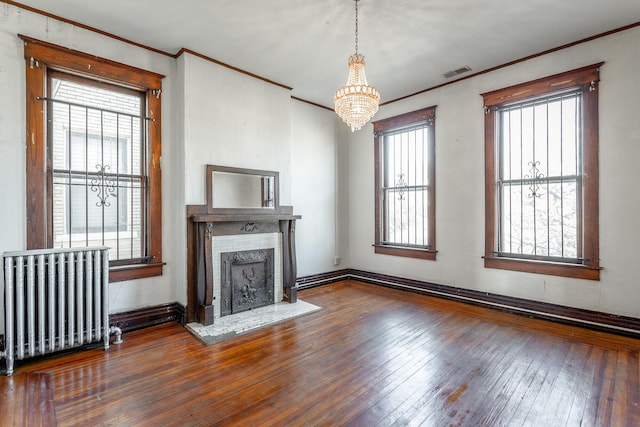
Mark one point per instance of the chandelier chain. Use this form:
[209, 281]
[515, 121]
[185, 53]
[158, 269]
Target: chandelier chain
[356, 1]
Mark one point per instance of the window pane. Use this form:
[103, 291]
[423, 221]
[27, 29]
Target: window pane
[406, 179]
[407, 217]
[539, 155]
[97, 155]
[540, 226]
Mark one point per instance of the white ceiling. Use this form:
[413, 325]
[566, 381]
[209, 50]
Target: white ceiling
[408, 44]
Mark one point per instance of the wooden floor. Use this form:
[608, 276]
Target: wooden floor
[372, 356]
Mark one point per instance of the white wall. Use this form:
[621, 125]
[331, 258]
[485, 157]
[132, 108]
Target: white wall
[232, 119]
[315, 188]
[460, 184]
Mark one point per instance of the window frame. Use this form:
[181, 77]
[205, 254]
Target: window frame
[380, 128]
[42, 56]
[586, 79]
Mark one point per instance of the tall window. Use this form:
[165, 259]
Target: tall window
[542, 179]
[93, 172]
[405, 185]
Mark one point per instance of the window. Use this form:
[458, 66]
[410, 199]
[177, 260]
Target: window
[405, 185]
[541, 145]
[93, 172]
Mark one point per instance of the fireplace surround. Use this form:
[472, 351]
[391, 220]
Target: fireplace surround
[208, 222]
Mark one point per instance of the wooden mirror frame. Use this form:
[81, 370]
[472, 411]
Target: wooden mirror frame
[210, 169]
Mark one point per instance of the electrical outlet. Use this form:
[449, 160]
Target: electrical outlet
[336, 260]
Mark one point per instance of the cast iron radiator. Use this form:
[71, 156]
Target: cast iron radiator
[55, 299]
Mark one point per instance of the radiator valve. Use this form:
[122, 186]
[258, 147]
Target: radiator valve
[114, 330]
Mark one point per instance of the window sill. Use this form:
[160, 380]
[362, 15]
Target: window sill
[576, 271]
[405, 252]
[135, 271]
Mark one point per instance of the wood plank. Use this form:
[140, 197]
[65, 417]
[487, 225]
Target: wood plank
[27, 400]
[372, 356]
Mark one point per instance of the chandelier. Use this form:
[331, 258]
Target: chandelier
[356, 102]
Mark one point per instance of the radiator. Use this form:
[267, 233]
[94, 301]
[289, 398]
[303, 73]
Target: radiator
[55, 299]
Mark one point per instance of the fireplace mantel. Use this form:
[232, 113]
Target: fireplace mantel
[203, 226]
[225, 218]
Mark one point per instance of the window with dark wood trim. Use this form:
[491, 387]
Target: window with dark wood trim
[405, 185]
[541, 176]
[93, 130]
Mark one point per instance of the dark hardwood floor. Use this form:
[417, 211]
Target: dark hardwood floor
[372, 356]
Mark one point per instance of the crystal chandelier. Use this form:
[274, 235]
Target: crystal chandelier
[356, 102]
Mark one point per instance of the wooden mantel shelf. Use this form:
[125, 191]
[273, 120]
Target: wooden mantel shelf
[257, 217]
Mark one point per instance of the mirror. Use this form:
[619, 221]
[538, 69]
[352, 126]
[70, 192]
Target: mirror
[236, 188]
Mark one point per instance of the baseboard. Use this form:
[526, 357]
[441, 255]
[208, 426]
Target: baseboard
[594, 320]
[148, 316]
[307, 282]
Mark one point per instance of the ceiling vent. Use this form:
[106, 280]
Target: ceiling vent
[457, 72]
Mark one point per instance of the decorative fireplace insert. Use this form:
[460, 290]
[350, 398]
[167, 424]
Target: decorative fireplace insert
[247, 280]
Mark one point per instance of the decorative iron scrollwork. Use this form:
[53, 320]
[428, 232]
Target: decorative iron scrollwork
[532, 178]
[402, 184]
[104, 186]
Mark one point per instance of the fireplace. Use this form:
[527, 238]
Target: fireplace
[240, 255]
[247, 280]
